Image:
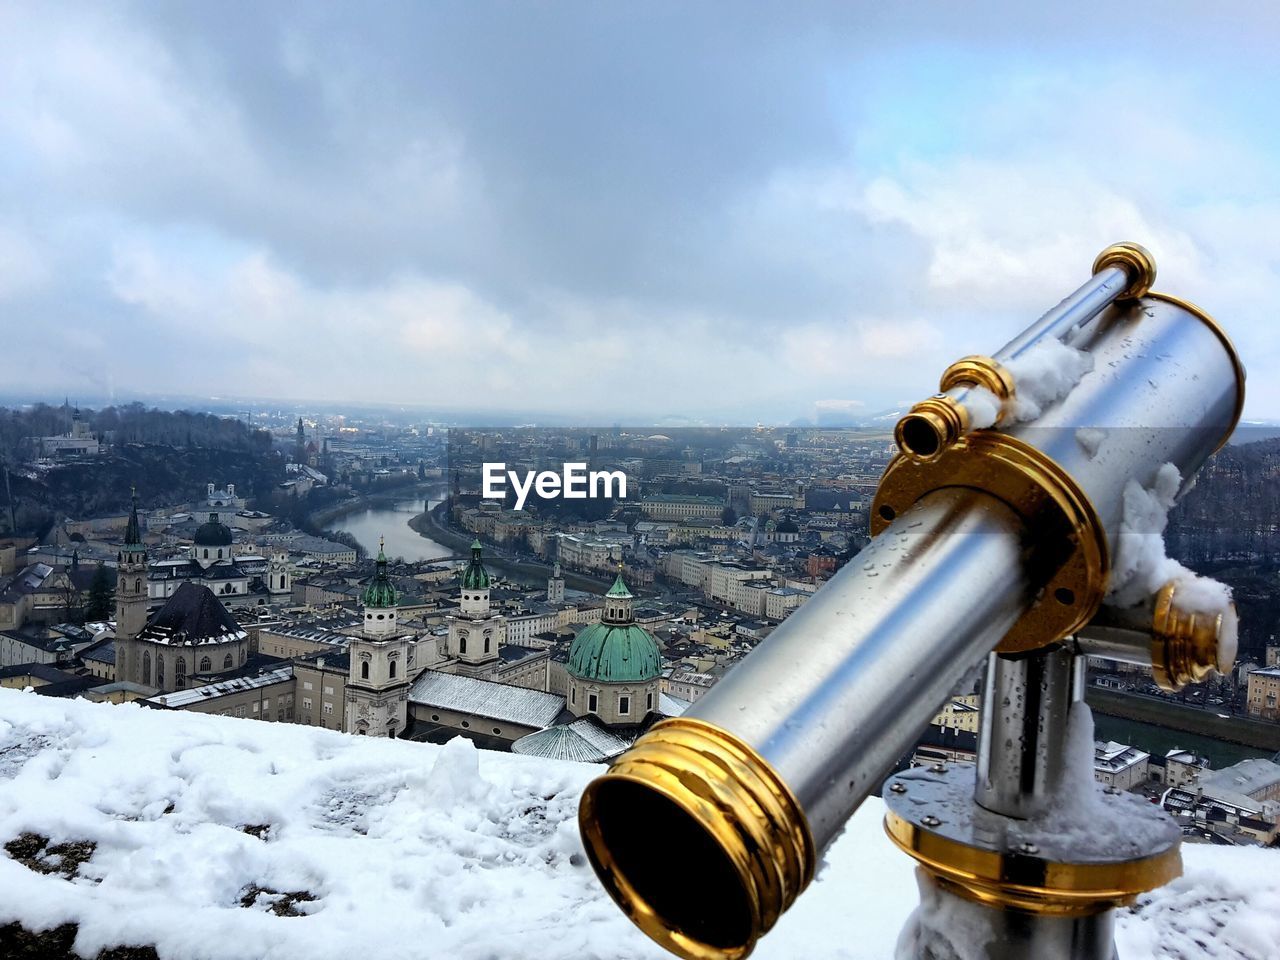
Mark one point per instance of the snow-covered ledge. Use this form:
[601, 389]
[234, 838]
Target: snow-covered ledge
[211, 837]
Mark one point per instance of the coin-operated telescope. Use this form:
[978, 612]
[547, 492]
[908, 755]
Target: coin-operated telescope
[1019, 525]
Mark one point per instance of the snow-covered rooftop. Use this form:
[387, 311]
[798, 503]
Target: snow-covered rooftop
[216, 838]
[583, 741]
[484, 698]
[181, 698]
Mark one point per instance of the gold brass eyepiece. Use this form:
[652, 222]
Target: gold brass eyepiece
[1136, 260]
[747, 847]
[931, 426]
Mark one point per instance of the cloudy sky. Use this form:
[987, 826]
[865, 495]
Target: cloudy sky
[612, 209]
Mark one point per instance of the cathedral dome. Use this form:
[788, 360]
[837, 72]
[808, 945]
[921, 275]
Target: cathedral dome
[615, 653]
[213, 533]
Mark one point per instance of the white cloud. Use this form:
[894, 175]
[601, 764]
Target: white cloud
[23, 267]
[368, 208]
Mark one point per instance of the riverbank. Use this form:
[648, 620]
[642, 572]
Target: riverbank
[430, 524]
[1174, 716]
[419, 488]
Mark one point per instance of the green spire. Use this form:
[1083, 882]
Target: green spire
[475, 577]
[380, 592]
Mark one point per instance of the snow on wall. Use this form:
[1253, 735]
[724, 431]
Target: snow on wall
[204, 824]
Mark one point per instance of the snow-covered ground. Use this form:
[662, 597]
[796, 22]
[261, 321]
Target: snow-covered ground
[206, 828]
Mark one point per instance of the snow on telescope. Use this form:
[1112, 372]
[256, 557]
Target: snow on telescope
[1018, 525]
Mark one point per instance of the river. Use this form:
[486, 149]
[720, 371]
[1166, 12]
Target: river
[1159, 740]
[390, 519]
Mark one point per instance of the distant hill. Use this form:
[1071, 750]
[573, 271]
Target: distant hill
[1232, 514]
[168, 456]
[1228, 526]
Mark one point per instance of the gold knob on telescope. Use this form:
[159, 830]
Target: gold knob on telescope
[1135, 260]
[1187, 645]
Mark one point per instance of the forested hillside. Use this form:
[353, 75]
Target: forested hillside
[1227, 526]
[168, 456]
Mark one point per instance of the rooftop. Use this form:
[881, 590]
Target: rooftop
[1252, 777]
[484, 698]
[193, 615]
[223, 688]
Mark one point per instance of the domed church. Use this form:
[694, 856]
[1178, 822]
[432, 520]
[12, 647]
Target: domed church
[189, 641]
[237, 581]
[614, 666]
[614, 679]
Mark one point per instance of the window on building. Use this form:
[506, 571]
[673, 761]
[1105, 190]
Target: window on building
[146, 668]
[205, 664]
[180, 672]
[573, 694]
[159, 670]
[624, 705]
[306, 685]
[648, 702]
[306, 703]
[328, 708]
[364, 670]
[391, 669]
[497, 731]
[462, 643]
[486, 643]
[227, 662]
[466, 724]
[328, 691]
[592, 703]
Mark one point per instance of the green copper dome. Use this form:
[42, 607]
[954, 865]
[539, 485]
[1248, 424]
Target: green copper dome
[619, 588]
[475, 577]
[615, 653]
[380, 592]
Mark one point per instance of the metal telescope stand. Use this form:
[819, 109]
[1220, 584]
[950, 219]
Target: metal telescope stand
[1026, 857]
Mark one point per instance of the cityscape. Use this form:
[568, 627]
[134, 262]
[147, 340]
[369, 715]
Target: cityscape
[355, 578]
[620, 482]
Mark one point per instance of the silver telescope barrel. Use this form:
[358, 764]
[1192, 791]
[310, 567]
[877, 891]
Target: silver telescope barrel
[1002, 542]
[806, 726]
[927, 599]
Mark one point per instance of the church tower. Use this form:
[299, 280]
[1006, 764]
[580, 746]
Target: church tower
[279, 580]
[378, 675]
[131, 596]
[475, 633]
[555, 585]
